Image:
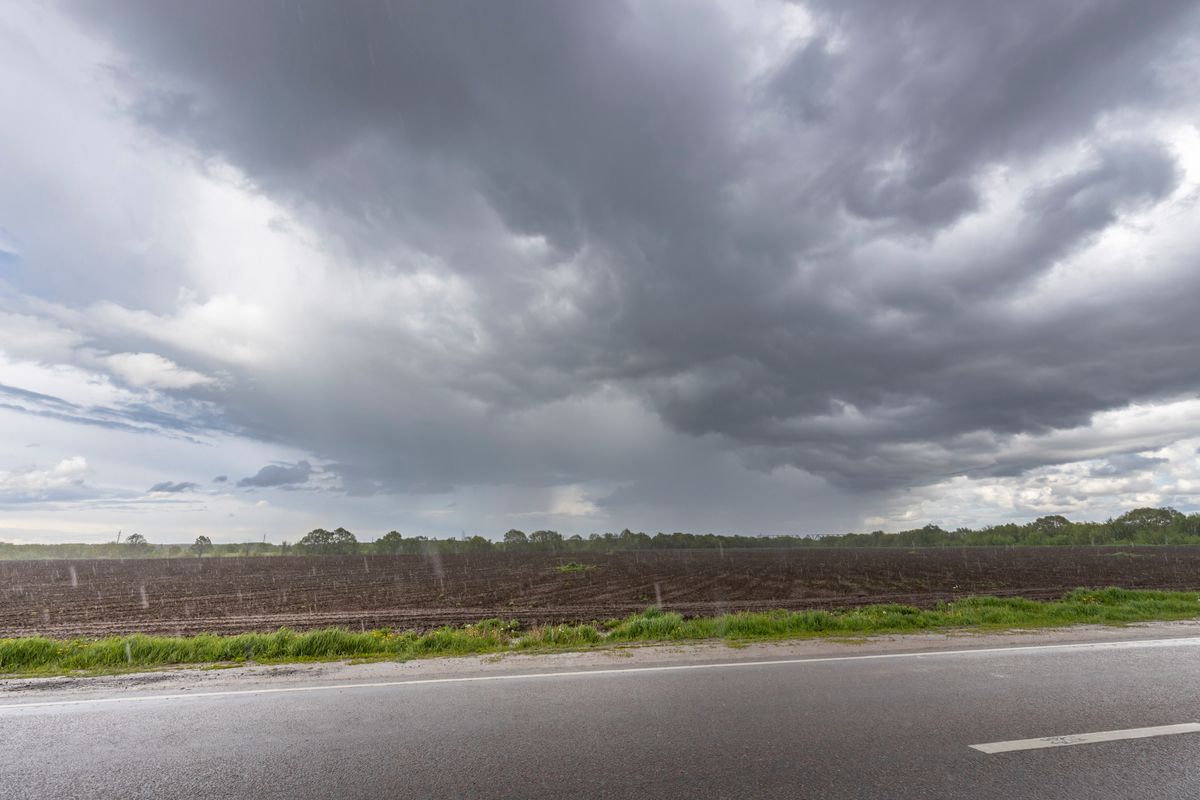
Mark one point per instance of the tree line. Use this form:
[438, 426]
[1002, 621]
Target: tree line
[1153, 526]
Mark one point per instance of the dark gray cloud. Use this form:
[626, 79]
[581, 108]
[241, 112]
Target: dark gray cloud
[173, 488]
[279, 475]
[182, 420]
[781, 261]
[1126, 464]
[220, 479]
[949, 89]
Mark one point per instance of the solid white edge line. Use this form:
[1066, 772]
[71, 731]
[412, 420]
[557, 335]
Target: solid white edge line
[1086, 738]
[1190, 641]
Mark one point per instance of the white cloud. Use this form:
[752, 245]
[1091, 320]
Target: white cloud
[1086, 489]
[152, 370]
[572, 501]
[71, 383]
[39, 482]
[36, 338]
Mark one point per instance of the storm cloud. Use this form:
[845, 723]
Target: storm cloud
[279, 475]
[169, 487]
[822, 252]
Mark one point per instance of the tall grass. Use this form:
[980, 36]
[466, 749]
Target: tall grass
[38, 655]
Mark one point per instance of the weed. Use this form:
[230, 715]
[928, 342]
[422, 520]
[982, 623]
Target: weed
[39, 655]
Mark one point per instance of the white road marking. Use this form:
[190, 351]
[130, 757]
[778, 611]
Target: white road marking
[1190, 641]
[1087, 738]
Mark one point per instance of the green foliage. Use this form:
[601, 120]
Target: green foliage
[561, 636]
[1142, 518]
[546, 540]
[497, 624]
[1144, 526]
[202, 545]
[390, 543]
[574, 566]
[325, 543]
[76, 551]
[651, 625]
[38, 655]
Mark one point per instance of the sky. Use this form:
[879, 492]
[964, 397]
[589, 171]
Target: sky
[735, 267]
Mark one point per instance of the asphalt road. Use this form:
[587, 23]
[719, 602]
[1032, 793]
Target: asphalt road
[851, 727]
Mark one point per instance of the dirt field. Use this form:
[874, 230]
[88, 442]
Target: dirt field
[226, 595]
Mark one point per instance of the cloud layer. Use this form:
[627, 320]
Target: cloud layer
[784, 267]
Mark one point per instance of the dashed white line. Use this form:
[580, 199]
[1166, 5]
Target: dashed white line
[1087, 738]
[1191, 641]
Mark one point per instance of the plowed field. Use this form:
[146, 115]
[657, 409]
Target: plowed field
[226, 595]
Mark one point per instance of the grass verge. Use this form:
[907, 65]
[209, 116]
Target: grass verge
[42, 656]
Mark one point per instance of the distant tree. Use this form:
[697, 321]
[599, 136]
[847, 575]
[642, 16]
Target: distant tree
[478, 543]
[1150, 517]
[546, 540]
[1051, 524]
[315, 541]
[627, 539]
[322, 542]
[344, 541]
[390, 542]
[136, 541]
[201, 546]
[515, 538]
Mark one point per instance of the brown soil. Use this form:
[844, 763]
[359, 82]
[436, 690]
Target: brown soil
[228, 595]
